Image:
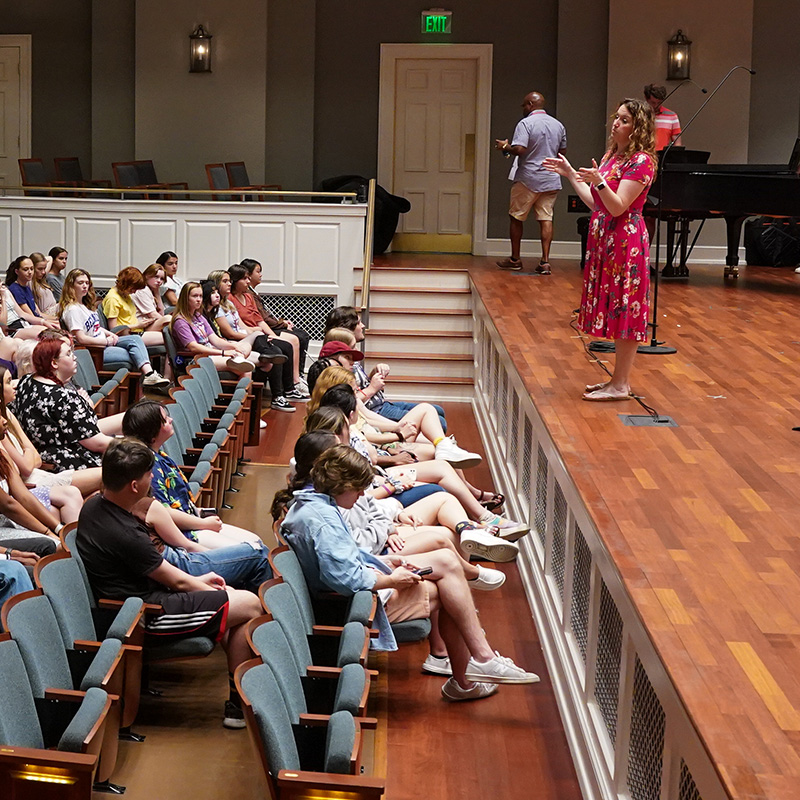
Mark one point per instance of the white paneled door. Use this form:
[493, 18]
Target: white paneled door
[10, 115]
[434, 152]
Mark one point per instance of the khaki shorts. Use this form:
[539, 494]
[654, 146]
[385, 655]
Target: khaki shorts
[412, 602]
[523, 199]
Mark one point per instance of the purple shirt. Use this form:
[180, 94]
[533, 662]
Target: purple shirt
[198, 331]
[543, 137]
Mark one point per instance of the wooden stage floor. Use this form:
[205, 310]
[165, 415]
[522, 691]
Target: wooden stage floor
[702, 520]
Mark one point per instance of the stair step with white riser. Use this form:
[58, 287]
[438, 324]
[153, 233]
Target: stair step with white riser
[412, 321]
[413, 298]
[432, 390]
[398, 277]
[424, 342]
[424, 364]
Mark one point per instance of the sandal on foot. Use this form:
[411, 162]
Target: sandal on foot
[593, 387]
[604, 396]
[543, 268]
[510, 263]
[492, 501]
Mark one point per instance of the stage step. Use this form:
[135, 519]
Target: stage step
[423, 342]
[434, 390]
[429, 365]
[413, 297]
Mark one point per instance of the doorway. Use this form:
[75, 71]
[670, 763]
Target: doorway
[433, 142]
[15, 106]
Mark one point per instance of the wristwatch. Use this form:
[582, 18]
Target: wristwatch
[600, 186]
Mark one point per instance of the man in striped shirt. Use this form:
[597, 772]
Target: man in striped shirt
[668, 126]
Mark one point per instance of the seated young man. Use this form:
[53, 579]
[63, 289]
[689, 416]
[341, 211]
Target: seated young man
[332, 561]
[121, 561]
[371, 387]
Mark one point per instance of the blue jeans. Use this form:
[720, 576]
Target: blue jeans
[241, 566]
[13, 580]
[397, 409]
[128, 348]
[415, 493]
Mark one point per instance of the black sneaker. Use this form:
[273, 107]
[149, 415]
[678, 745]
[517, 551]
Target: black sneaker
[234, 716]
[280, 403]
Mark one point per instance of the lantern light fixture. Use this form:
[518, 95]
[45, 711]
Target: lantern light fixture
[200, 50]
[679, 56]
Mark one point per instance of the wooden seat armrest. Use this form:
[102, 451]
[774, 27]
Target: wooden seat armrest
[68, 695]
[293, 781]
[324, 672]
[106, 603]
[327, 630]
[373, 674]
[315, 720]
[78, 762]
[374, 633]
[89, 647]
[368, 723]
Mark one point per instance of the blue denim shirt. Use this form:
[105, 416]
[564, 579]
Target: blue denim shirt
[330, 558]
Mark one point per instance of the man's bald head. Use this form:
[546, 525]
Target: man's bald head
[533, 101]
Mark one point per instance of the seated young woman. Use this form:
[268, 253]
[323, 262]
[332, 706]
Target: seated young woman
[78, 312]
[148, 302]
[19, 282]
[246, 304]
[171, 289]
[58, 266]
[119, 308]
[56, 415]
[331, 561]
[26, 457]
[149, 422]
[193, 334]
[224, 317]
[431, 523]
[42, 292]
[404, 482]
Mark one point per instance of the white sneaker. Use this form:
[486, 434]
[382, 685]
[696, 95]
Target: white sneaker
[488, 579]
[479, 542]
[506, 528]
[303, 384]
[453, 692]
[449, 451]
[437, 665]
[297, 394]
[262, 424]
[499, 670]
[239, 365]
[797, 269]
[155, 379]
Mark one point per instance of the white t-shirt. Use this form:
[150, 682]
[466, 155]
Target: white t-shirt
[144, 301]
[77, 317]
[174, 283]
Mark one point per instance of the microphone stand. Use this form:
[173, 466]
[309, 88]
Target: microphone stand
[655, 347]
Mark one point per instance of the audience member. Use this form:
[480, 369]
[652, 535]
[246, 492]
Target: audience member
[148, 302]
[171, 289]
[78, 311]
[121, 561]
[58, 264]
[43, 294]
[13, 578]
[119, 308]
[19, 281]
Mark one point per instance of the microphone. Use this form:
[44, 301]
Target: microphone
[683, 83]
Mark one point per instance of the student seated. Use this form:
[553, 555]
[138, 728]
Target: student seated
[13, 578]
[58, 265]
[171, 289]
[119, 308]
[121, 561]
[42, 292]
[78, 312]
[331, 561]
[148, 302]
[24, 311]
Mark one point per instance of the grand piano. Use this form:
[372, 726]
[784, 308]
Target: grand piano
[689, 189]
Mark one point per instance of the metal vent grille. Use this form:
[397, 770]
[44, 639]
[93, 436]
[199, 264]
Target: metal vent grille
[514, 435]
[581, 578]
[485, 366]
[504, 406]
[525, 483]
[558, 553]
[609, 650]
[307, 311]
[687, 789]
[489, 396]
[646, 751]
[495, 386]
[540, 501]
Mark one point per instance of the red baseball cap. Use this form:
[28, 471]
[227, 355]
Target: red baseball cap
[332, 348]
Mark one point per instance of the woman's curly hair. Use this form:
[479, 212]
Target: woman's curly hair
[643, 135]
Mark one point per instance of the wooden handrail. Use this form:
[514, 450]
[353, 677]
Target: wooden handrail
[117, 190]
[369, 240]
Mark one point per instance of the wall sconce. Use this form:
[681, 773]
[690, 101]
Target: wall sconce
[200, 50]
[679, 54]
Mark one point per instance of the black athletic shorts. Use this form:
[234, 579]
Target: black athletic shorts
[189, 614]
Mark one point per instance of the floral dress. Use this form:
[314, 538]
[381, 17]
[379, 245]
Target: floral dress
[616, 282]
[56, 420]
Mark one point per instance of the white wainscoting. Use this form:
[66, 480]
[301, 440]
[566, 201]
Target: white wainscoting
[304, 248]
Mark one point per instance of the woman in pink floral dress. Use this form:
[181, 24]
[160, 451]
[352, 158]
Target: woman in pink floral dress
[617, 278]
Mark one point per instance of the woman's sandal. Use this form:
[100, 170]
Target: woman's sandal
[494, 503]
[593, 387]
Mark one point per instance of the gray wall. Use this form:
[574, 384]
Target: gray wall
[347, 68]
[61, 105]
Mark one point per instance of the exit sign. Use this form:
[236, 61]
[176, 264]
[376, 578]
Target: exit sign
[437, 20]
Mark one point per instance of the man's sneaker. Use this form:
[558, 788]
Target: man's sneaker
[498, 670]
[510, 263]
[240, 365]
[437, 665]
[479, 542]
[272, 357]
[453, 692]
[297, 395]
[448, 450]
[234, 716]
[155, 380]
[506, 528]
[280, 403]
[488, 579]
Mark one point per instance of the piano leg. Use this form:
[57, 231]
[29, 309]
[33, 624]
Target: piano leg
[734, 226]
[669, 267]
[680, 226]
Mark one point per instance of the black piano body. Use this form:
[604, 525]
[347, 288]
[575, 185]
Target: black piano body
[733, 192]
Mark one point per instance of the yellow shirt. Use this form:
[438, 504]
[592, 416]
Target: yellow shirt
[123, 308]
